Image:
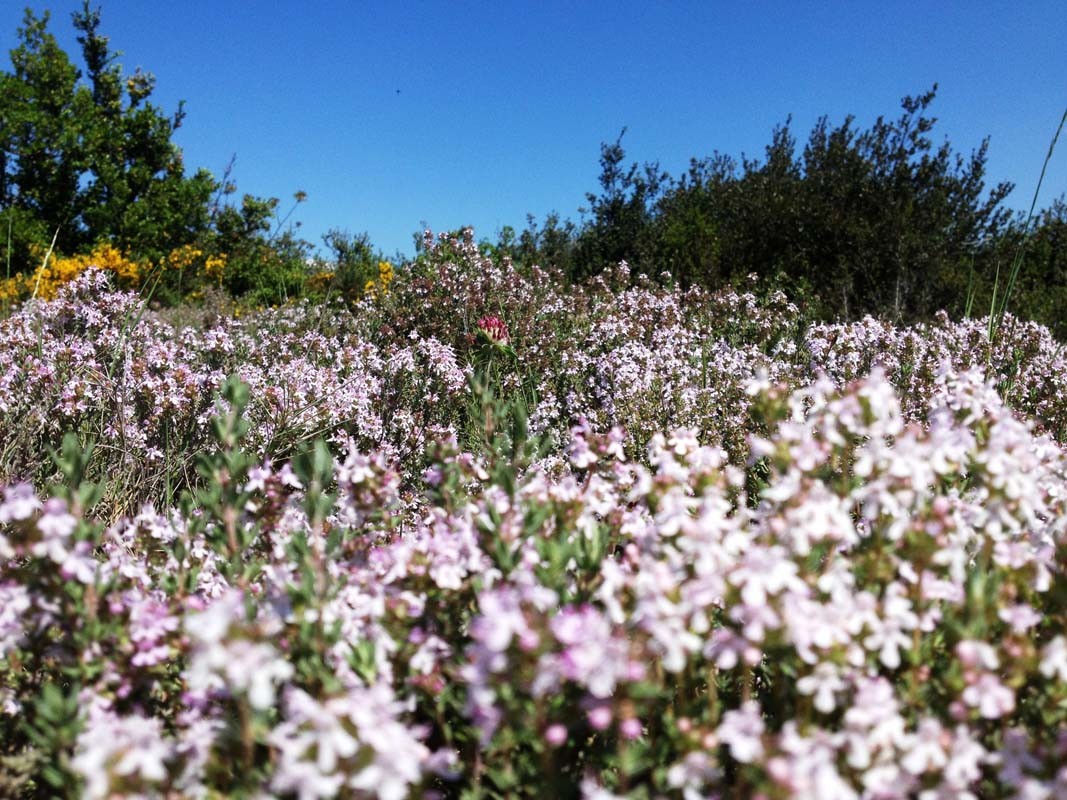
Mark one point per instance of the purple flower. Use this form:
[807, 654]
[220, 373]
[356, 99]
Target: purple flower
[742, 731]
[1054, 659]
[823, 684]
[19, 503]
[630, 728]
[991, 697]
[556, 735]
[599, 717]
[112, 750]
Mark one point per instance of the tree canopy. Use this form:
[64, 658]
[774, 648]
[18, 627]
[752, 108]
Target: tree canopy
[880, 220]
[86, 156]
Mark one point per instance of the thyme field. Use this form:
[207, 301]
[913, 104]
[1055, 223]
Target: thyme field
[487, 534]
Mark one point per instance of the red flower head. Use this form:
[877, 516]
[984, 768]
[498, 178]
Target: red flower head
[494, 329]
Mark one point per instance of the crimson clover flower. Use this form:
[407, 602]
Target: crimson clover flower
[494, 336]
[494, 329]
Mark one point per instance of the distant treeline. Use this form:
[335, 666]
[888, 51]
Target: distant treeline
[883, 221]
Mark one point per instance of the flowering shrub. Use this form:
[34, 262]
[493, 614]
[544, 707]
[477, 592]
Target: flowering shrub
[721, 557]
[379, 285]
[91, 361]
[54, 272]
[191, 258]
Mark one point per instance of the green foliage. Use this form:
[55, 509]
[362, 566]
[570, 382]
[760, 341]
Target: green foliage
[224, 472]
[266, 261]
[621, 216]
[313, 464]
[1001, 303]
[875, 220]
[354, 262]
[86, 157]
[72, 460]
[1045, 292]
[86, 154]
[51, 726]
[550, 245]
[882, 220]
[1040, 289]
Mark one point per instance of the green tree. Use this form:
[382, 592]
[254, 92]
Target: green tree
[354, 261]
[686, 235]
[549, 245]
[621, 216]
[266, 260]
[1040, 292]
[84, 155]
[880, 221]
[874, 221]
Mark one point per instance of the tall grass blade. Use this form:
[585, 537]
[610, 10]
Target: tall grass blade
[991, 324]
[8, 251]
[972, 290]
[48, 255]
[1017, 262]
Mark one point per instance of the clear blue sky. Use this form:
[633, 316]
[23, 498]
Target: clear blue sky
[502, 106]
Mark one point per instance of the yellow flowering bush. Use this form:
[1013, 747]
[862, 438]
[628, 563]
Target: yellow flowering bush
[183, 257]
[214, 266]
[129, 271]
[379, 286]
[320, 281]
[58, 270]
[189, 255]
[372, 281]
[12, 289]
[385, 274]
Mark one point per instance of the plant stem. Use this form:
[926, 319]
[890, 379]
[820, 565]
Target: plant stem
[40, 272]
[1017, 262]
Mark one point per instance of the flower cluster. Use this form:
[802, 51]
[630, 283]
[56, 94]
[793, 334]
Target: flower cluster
[883, 617]
[90, 360]
[494, 329]
[745, 559]
[55, 272]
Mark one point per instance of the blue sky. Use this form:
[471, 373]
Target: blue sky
[502, 106]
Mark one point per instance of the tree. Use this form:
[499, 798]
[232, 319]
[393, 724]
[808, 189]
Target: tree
[86, 156]
[687, 240]
[1040, 292]
[266, 260]
[879, 221]
[550, 245]
[355, 262]
[37, 114]
[620, 216]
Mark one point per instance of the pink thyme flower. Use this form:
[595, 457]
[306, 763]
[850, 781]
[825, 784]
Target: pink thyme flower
[630, 728]
[494, 329]
[556, 735]
[599, 717]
